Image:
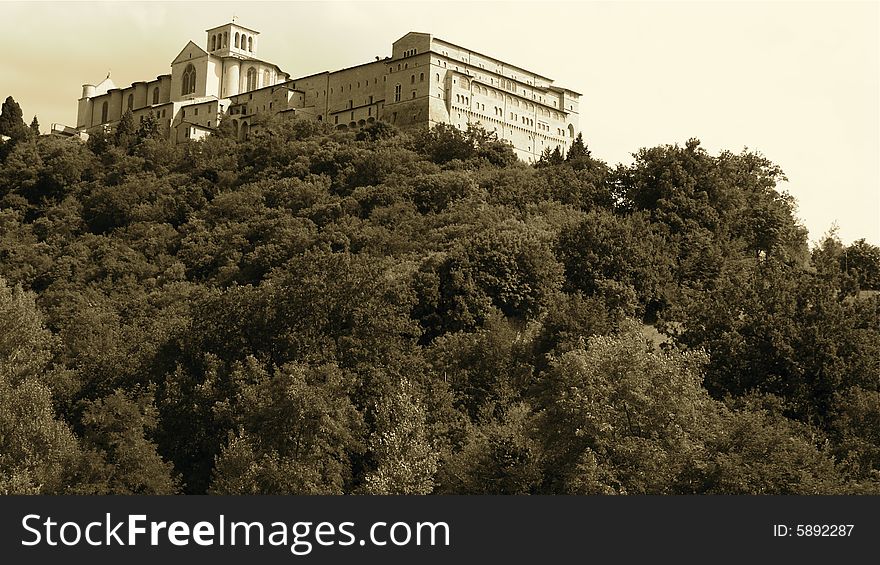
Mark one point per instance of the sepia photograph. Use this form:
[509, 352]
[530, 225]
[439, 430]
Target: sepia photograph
[438, 248]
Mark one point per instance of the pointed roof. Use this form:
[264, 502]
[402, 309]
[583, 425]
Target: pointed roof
[184, 50]
[104, 86]
[236, 24]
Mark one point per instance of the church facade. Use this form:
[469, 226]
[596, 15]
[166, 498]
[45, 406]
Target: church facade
[424, 82]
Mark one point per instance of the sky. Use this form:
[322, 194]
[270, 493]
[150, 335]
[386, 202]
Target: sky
[798, 82]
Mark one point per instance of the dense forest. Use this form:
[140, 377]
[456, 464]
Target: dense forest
[314, 311]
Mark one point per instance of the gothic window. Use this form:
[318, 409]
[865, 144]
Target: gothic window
[266, 78]
[412, 79]
[236, 39]
[130, 102]
[189, 80]
[213, 42]
[252, 79]
[397, 93]
[421, 77]
[156, 95]
[225, 38]
[250, 43]
[104, 112]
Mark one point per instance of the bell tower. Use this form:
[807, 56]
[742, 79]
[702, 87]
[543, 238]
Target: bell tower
[232, 40]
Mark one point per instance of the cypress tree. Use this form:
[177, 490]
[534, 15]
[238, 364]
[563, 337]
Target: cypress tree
[11, 121]
[125, 130]
[578, 149]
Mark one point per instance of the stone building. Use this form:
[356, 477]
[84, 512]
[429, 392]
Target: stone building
[425, 81]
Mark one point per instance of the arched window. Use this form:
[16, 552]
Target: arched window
[252, 79]
[189, 80]
[225, 38]
[130, 102]
[421, 77]
[266, 78]
[213, 42]
[250, 43]
[236, 39]
[104, 112]
[156, 95]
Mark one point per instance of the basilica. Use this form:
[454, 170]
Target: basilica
[425, 81]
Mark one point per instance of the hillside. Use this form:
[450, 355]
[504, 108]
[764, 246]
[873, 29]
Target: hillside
[315, 311]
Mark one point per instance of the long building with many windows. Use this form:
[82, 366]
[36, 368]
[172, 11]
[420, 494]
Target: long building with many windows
[424, 82]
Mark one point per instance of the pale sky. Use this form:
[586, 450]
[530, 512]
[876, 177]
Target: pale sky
[795, 81]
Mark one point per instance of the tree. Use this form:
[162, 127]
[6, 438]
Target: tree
[25, 344]
[488, 370]
[405, 459]
[862, 261]
[148, 128]
[597, 265]
[376, 131]
[856, 431]
[617, 417]
[35, 127]
[37, 450]
[117, 428]
[578, 150]
[550, 157]
[508, 268]
[444, 143]
[499, 457]
[296, 431]
[11, 120]
[126, 131]
[778, 329]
